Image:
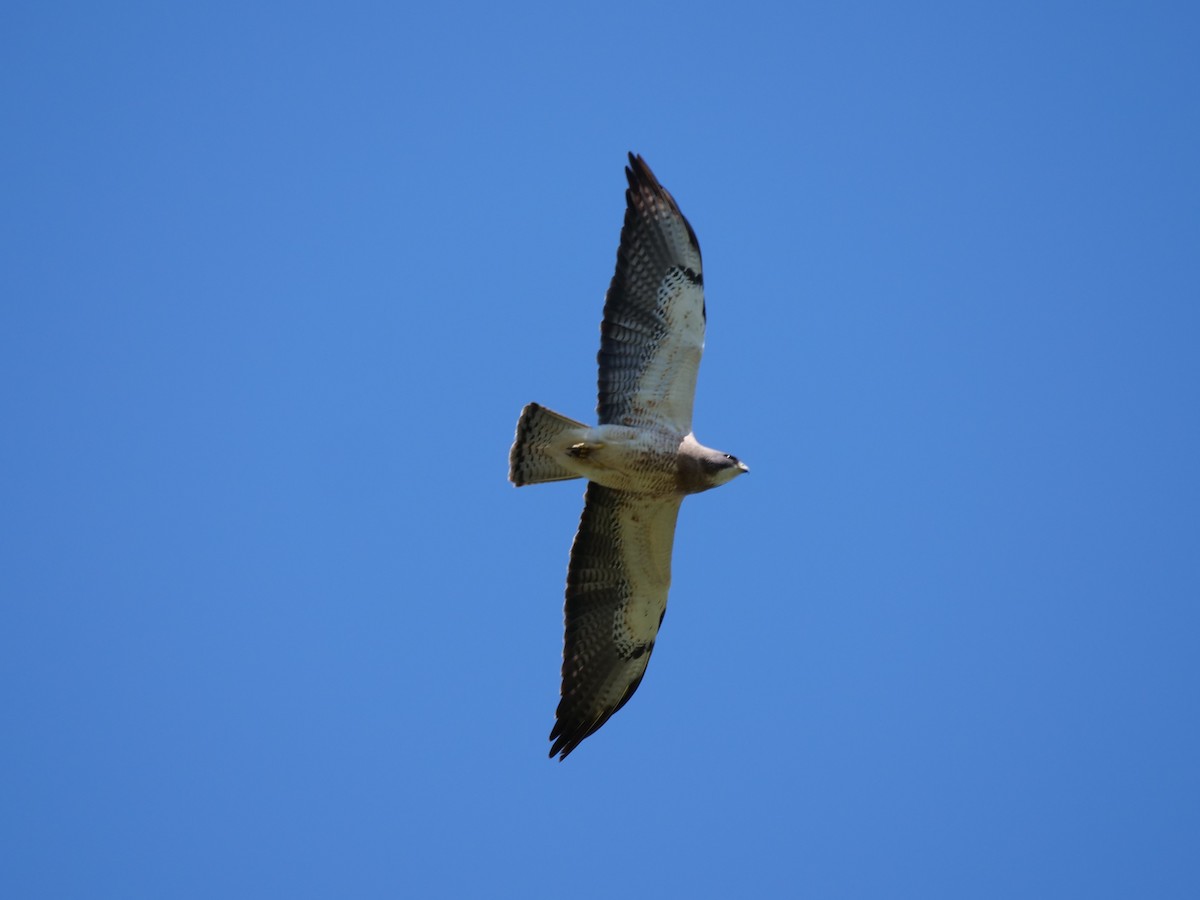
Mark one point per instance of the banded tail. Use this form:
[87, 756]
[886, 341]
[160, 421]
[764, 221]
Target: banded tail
[542, 435]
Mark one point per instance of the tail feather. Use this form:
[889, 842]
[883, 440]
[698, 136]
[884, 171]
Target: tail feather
[540, 434]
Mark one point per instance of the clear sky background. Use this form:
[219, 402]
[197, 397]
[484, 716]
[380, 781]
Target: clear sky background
[276, 281]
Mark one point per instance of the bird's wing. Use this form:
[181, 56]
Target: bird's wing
[652, 335]
[616, 597]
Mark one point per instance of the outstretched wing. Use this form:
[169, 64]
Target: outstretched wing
[652, 335]
[616, 597]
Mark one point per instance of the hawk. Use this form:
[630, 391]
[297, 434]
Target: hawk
[640, 461]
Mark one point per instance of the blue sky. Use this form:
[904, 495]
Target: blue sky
[277, 281]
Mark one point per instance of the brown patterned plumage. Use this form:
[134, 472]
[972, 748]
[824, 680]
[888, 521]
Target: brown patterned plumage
[641, 460]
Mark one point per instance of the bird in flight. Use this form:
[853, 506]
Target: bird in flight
[640, 460]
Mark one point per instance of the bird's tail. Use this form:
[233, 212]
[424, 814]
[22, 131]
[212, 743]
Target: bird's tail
[541, 435]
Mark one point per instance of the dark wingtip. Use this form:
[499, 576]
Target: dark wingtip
[567, 735]
[563, 744]
[643, 181]
[638, 173]
[581, 730]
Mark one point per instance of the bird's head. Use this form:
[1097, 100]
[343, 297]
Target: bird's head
[702, 468]
[725, 468]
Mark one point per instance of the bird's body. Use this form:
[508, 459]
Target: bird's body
[640, 460]
[651, 461]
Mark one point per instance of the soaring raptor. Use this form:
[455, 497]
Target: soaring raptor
[640, 460]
